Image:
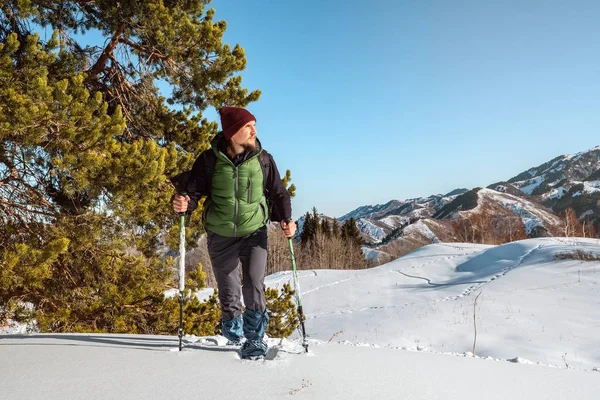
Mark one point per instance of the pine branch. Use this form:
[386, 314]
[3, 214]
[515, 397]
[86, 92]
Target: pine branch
[150, 52]
[24, 208]
[100, 64]
[14, 24]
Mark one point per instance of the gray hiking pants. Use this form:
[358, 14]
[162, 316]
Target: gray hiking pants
[225, 256]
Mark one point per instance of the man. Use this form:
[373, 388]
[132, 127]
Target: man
[244, 190]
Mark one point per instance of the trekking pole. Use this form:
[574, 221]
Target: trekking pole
[298, 296]
[181, 272]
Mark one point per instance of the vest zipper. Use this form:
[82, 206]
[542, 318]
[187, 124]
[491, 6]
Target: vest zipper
[235, 212]
[249, 190]
[262, 208]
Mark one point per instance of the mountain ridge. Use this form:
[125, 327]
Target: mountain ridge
[537, 197]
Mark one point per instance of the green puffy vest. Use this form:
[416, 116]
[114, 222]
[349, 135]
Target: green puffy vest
[237, 205]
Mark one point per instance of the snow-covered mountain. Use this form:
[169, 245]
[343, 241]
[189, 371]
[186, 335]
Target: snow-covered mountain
[536, 197]
[421, 207]
[374, 212]
[571, 180]
[537, 220]
[381, 222]
[562, 171]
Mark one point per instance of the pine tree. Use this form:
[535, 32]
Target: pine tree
[325, 228]
[87, 144]
[311, 228]
[353, 256]
[291, 188]
[308, 230]
[351, 233]
[335, 228]
[283, 317]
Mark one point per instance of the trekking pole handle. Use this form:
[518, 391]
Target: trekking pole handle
[183, 193]
[287, 222]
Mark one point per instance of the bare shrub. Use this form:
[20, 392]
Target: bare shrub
[578, 255]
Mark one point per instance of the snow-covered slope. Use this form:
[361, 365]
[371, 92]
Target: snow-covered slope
[401, 330]
[532, 215]
[537, 219]
[532, 306]
[420, 228]
[377, 233]
[395, 221]
[135, 367]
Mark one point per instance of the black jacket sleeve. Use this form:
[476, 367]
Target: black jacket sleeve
[200, 179]
[278, 195]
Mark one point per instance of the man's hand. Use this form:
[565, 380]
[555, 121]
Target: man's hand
[180, 203]
[289, 228]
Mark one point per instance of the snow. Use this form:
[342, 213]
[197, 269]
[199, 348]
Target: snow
[395, 221]
[400, 330]
[533, 184]
[532, 306]
[421, 212]
[555, 193]
[372, 254]
[585, 214]
[530, 215]
[420, 228]
[14, 328]
[122, 367]
[589, 187]
[373, 231]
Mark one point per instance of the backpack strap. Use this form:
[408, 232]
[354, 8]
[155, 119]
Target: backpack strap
[265, 165]
[209, 168]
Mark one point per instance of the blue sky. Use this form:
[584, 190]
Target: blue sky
[380, 100]
[366, 102]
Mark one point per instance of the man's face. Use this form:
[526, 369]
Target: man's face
[246, 136]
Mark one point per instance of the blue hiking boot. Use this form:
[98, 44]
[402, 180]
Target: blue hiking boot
[254, 350]
[234, 343]
[233, 330]
[254, 325]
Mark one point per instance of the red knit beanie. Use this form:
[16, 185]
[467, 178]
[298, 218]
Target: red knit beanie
[232, 119]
